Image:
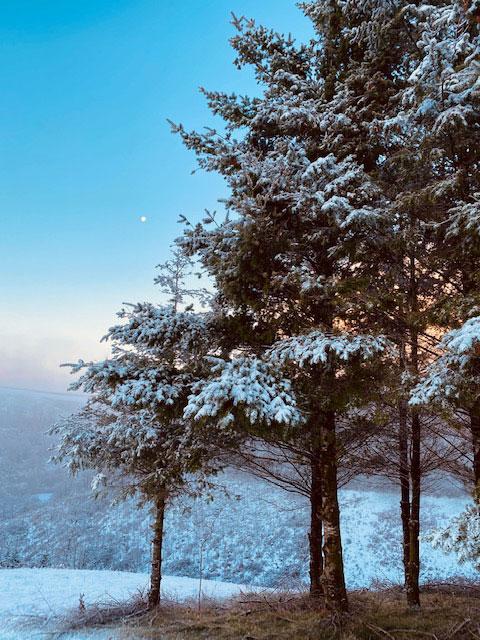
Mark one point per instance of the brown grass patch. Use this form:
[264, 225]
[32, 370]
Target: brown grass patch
[449, 612]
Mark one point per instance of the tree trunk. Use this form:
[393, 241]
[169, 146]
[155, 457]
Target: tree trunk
[315, 537]
[156, 573]
[404, 485]
[333, 579]
[413, 589]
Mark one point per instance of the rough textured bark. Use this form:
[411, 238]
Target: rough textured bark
[157, 541]
[315, 537]
[333, 579]
[404, 485]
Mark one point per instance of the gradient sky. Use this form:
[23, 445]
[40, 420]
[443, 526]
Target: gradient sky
[86, 151]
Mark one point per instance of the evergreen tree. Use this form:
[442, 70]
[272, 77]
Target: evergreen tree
[439, 108]
[412, 99]
[339, 185]
[132, 430]
[301, 203]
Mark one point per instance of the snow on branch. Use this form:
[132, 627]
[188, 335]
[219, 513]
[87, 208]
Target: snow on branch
[247, 386]
[465, 221]
[451, 374]
[318, 347]
[461, 536]
[464, 340]
[156, 329]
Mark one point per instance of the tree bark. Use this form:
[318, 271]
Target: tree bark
[315, 537]
[157, 541]
[333, 579]
[404, 485]
[413, 589]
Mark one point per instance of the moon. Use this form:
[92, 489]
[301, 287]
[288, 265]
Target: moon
[143, 219]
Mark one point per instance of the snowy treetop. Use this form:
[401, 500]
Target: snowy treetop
[446, 81]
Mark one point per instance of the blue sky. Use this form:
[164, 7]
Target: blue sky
[86, 151]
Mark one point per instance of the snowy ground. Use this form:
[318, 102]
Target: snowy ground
[32, 600]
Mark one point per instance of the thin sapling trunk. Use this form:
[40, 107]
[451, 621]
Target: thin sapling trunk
[157, 542]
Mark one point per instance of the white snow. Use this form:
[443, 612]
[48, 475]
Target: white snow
[252, 386]
[372, 538]
[50, 593]
[314, 347]
[451, 374]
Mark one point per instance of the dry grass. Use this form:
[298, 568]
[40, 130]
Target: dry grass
[112, 614]
[449, 612]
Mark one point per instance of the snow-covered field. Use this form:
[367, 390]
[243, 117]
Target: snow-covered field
[33, 600]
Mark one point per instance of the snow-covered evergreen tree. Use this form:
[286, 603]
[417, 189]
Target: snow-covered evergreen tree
[132, 430]
[360, 153]
[310, 207]
[439, 110]
[413, 101]
[279, 262]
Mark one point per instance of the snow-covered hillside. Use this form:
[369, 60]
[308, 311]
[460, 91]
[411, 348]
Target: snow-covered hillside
[257, 536]
[25, 477]
[33, 600]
